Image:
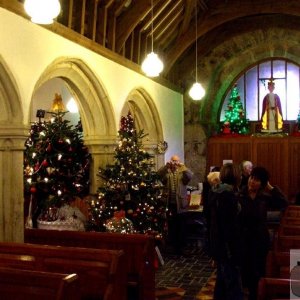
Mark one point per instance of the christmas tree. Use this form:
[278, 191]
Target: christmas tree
[56, 163]
[298, 122]
[131, 189]
[235, 120]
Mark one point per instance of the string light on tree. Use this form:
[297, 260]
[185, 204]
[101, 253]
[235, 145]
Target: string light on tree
[235, 121]
[131, 186]
[56, 162]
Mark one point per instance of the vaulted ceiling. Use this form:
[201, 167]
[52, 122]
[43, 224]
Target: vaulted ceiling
[126, 28]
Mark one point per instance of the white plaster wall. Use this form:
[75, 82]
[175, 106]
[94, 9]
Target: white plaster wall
[28, 49]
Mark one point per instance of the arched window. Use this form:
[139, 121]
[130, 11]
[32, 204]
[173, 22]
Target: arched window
[253, 86]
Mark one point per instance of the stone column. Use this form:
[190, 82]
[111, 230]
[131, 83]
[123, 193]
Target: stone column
[12, 139]
[102, 151]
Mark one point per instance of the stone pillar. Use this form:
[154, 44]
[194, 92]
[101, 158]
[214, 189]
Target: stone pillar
[157, 152]
[12, 139]
[102, 151]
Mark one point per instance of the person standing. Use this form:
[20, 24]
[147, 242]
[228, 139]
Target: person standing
[211, 182]
[175, 176]
[224, 234]
[271, 116]
[256, 199]
[246, 167]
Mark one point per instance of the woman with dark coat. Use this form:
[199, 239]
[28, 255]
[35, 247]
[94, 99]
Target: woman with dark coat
[224, 236]
[256, 199]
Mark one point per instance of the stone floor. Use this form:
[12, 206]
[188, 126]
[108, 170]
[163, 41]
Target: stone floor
[185, 275]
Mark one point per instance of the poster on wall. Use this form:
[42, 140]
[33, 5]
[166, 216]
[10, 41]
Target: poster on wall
[227, 161]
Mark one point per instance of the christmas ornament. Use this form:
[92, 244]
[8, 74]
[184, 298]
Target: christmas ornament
[119, 224]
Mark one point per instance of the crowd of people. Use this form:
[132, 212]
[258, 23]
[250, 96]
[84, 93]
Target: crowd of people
[236, 201]
[238, 237]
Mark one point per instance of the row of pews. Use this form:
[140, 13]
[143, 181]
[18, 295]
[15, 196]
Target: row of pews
[278, 282]
[73, 265]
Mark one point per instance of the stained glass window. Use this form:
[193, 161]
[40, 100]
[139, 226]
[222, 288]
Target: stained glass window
[253, 86]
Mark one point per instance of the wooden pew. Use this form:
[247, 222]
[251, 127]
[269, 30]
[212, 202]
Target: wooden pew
[139, 252]
[18, 284]
[99, 270]
[292, 211]
[285, 243]
[288, 230]
[290, 221]
[274, 288]
[278, 264]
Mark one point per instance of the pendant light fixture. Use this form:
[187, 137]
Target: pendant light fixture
[152, 65]
[196, 92]
[42, 11]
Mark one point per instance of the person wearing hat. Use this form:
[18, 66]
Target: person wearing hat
[271, 117]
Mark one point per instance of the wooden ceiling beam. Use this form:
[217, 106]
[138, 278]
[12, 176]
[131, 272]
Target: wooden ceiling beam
[170, 18]
[217, 17]
[187, 16]
[169, 28]
[129, 20]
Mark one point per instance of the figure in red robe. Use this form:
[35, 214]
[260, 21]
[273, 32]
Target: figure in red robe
[271, 117]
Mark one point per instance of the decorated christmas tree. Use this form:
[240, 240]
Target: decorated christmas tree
[298, 122]
[56, 164]
[130, 198]
[235, 121]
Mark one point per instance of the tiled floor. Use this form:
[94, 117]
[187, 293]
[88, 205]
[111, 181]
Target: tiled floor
[187, 275]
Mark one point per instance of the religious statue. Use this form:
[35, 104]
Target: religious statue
[271, 117]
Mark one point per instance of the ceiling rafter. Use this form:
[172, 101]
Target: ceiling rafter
[189, 7]
[123, 28]
[128, 21]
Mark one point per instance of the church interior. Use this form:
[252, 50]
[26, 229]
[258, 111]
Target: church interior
[83, 74]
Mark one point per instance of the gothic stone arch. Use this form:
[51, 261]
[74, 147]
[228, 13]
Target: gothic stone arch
[147, 118]
[95, 109]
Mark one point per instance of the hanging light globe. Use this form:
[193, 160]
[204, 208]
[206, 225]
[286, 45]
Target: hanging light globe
[152, 65]
[197, 92]
[42, 11]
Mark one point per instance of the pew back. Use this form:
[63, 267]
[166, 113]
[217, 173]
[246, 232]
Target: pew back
[18, 284]
[292, 211]
[290, 221]
[278, 264]
[286, 243]
[271, 288]
[289, 229]
[100, 271]
[139, 252]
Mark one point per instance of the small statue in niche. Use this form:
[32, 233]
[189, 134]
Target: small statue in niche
[271, 117]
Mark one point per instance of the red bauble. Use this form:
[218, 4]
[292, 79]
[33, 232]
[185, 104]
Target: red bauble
[33, 189]
[44, 163]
